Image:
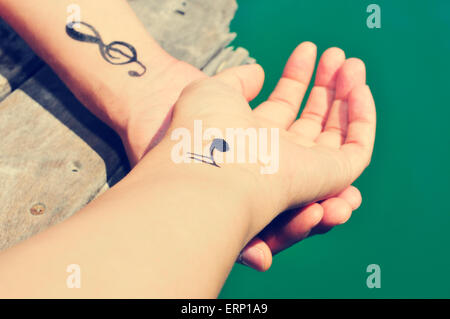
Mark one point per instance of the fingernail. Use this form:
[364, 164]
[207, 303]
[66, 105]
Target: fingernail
[252, 258]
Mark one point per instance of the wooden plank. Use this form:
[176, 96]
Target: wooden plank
[17, 61]
[49, 157]
[55, 156]
[194, 31]
[227, 58]
[190, 30]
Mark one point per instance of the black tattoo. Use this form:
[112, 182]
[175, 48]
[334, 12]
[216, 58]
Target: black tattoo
[181, 11]
[217, 144]
[113, 52]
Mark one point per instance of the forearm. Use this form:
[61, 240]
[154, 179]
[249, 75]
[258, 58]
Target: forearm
[163, 231]
[106, 89]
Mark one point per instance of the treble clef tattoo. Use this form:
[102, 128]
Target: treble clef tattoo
[116, 53]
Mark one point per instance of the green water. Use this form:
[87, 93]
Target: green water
[403, 223]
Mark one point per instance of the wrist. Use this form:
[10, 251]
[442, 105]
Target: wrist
[122, 97]
[148, 111]
[233, 190]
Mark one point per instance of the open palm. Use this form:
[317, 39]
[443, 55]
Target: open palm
[281, 108]
[323, 121]
[335, 131]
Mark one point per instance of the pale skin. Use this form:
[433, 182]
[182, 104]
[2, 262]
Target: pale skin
[139, 108]
[179, 235]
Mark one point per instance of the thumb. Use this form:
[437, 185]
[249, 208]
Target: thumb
[247, 79]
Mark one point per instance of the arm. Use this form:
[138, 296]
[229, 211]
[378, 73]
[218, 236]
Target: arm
[163, 231]
[175, 229]
[107, 90]
[138, 108]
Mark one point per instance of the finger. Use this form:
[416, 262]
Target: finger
[295, 230]
[247, 79]
[351, 74]
[313, 117]
[352, 196]
[256, 255]
[336, 212]
[291, 227]
[358, 145]
[284, 102]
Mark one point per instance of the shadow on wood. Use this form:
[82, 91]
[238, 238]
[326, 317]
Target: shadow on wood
[50, 92]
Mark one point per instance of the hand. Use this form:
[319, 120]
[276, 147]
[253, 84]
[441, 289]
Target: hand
[335, 78]
[311, 167]
[151, 116]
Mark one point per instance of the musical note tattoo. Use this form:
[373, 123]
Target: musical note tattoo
[116, 53]
[217, 144]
